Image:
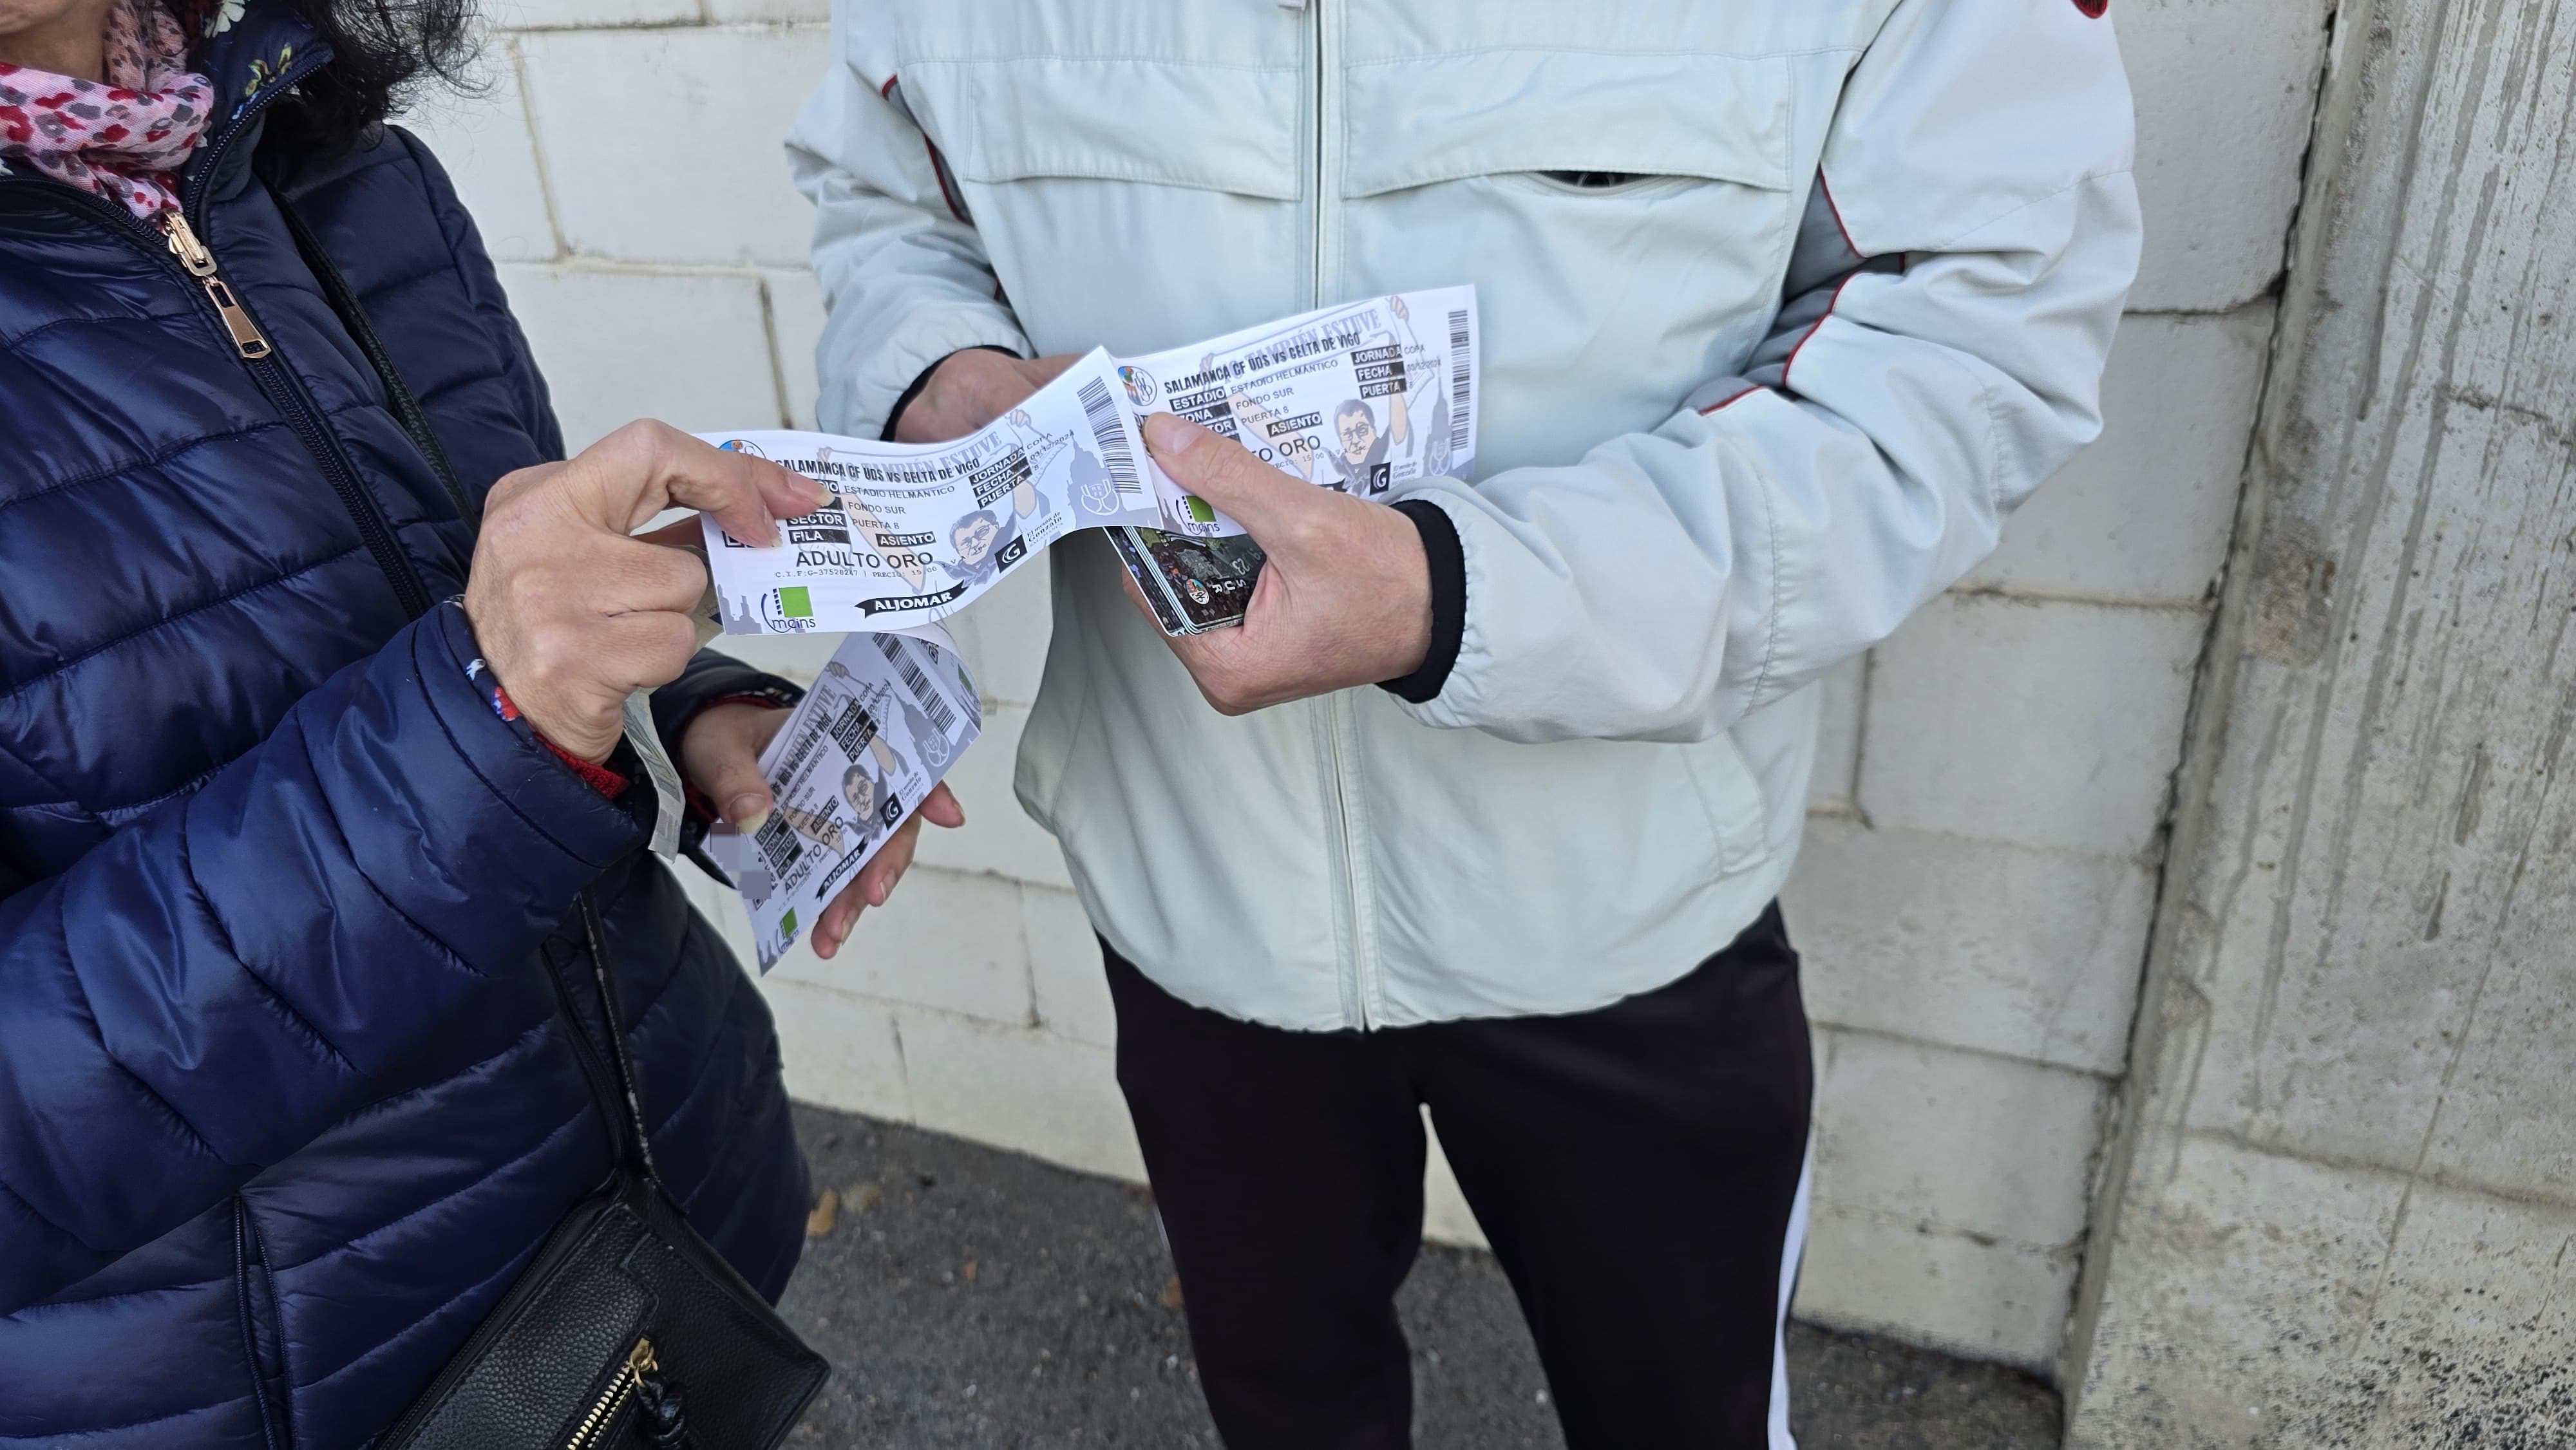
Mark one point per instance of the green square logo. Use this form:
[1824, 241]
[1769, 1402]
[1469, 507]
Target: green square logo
[787, 926]
[1200, 510]
[796, 602]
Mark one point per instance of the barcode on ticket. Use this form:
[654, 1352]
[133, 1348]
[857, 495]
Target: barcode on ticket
[914, 680]
[1461, 426]
[1111, 434]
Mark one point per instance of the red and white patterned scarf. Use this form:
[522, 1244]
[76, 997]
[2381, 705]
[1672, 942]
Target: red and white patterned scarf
[123, 138]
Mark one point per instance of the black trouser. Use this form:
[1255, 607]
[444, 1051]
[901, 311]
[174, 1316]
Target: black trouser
[1635, 1168]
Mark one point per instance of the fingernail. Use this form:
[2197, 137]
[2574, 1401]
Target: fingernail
[747, 812]
[1171, 434]
[876, 893]
[822, 496]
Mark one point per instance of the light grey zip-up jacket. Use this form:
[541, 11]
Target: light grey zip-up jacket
[1842, 302]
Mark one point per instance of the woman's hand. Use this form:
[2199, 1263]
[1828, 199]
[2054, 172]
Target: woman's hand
[720, 755]
[573, 614]
[876, 879]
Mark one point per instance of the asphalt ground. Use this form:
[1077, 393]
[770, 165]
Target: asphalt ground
[971, 1297]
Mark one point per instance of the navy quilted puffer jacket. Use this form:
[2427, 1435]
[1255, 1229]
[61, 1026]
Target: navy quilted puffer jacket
[299, 1061]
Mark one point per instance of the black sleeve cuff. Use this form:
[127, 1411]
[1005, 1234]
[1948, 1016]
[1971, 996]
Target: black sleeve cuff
[712, 676]
[894, 414]
[1448, 602]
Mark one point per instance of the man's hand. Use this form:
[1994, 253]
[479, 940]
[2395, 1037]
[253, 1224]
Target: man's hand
[572, 614]
[720, 755]
[972, 388]
[1344, 600]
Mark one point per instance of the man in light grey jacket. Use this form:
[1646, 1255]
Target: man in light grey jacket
[1784, 307]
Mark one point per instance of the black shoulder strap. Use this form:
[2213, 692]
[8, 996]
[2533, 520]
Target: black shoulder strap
[639, 1143]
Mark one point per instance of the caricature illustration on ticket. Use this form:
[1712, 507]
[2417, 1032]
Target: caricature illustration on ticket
[1364, 398]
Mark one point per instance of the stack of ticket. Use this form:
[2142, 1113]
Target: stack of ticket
[1365, 398]
[888, 717]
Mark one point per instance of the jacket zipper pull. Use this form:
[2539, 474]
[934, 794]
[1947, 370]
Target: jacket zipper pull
[193, 255]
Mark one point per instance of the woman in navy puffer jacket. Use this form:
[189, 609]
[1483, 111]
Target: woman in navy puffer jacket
[299, 1060]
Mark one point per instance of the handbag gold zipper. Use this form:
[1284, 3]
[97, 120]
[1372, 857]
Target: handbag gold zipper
[248, 340]
[639, 1363]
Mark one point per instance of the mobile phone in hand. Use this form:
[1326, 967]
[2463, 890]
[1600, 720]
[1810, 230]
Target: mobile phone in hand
[1194, 585]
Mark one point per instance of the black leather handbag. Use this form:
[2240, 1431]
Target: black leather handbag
[628, 1331]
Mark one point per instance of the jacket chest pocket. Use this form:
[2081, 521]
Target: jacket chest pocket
[1129, 201]
[1529, 113]
[1627, 217]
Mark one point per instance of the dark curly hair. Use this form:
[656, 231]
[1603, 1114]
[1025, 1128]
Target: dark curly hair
[383, 51]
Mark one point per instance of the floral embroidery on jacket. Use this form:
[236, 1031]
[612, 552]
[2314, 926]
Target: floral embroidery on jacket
[264, 74]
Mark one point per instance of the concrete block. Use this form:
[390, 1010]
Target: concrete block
[840, 1051]
[1837, 778]
[2508, 1116]
[1019, 1088]
[2225, 95]
[726, 12]
[2048, 724]
[591, 14]
[685, 347]
[2472, 1340]
[796, 329]
[1977, 944]
[698, 175]
[1005, 634]
[1065, 973]
[2326, 1305]
[2231, 1248]
[2369, 1039]
[998, 836]
[2144, 515]
[1978, 1298]
[486, 145]
[2377, 975]
[942, 940]
[1972, 1144]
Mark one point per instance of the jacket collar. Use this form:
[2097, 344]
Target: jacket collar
[249, 49]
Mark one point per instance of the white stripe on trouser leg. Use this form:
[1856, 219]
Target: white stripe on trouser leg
[1791, 1247]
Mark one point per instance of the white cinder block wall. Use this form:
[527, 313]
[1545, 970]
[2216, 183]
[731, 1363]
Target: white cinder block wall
[1987, 817]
